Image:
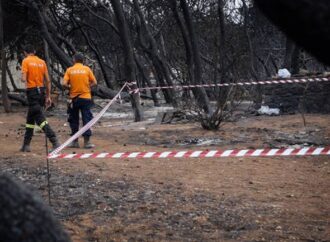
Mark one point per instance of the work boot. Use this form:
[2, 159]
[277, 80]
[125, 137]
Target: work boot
[25, 148]
[87, 143]
[74, 144]
[27, 140]
[54, 142]
[51, 136]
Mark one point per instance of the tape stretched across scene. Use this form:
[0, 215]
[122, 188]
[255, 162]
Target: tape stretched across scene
[306, 151]
[88, 125]
[136, 90]
[283, 81]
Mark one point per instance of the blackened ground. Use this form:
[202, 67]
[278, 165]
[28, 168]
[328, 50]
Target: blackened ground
[233, 199]
[123, 209]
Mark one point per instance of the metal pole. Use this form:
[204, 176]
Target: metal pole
[48, 171]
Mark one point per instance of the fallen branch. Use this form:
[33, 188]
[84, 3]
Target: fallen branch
[106, 93]
[19, 97]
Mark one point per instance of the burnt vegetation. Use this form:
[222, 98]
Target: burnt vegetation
[161, 43]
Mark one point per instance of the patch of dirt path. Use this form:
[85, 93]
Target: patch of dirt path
[241, 199]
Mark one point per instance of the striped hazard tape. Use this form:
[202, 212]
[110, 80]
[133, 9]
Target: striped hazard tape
[306, 151]
[132, 88]
[269, 82]
[88, 125]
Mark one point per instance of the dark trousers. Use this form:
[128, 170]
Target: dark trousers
[35, 115]
[84, 106]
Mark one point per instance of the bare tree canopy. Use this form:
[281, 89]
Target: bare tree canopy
[168, 42]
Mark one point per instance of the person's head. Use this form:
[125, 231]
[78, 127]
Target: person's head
[29, 50]
[78, 58]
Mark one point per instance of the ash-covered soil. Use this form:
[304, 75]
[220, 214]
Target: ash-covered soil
[252, 199]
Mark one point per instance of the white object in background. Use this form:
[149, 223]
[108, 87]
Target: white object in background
[269, 111]
[283, 73]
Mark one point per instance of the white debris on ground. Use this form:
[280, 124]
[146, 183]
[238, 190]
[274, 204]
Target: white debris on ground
[283, 73]
[120, 111]
[268, 111]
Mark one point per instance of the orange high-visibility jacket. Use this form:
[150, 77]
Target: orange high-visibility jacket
[80, 78]
[36, 69]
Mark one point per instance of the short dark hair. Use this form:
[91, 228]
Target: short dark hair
[29, 49]
[78, 57]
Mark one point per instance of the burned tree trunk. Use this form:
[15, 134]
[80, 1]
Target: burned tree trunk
[147, 80]
[159, 62]
[5, 99]
[192, 53]
[201, 94]
[62, 56]
[296, 60]
[257, 95]
[129, 58]
[11, 78]
[107, 93]
[4, 88]
[98, 55]
[292, 56]
[21, 98]
[222, 38]
[289, 47]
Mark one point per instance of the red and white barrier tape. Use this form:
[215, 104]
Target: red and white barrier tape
[313, 151]
[87, 126]
[132, 87]
[283, 81]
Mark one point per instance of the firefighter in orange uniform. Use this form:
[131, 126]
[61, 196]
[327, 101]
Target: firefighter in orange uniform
[79, 79]
[35, 75]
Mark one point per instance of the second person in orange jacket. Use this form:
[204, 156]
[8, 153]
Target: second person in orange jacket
[79, 79]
